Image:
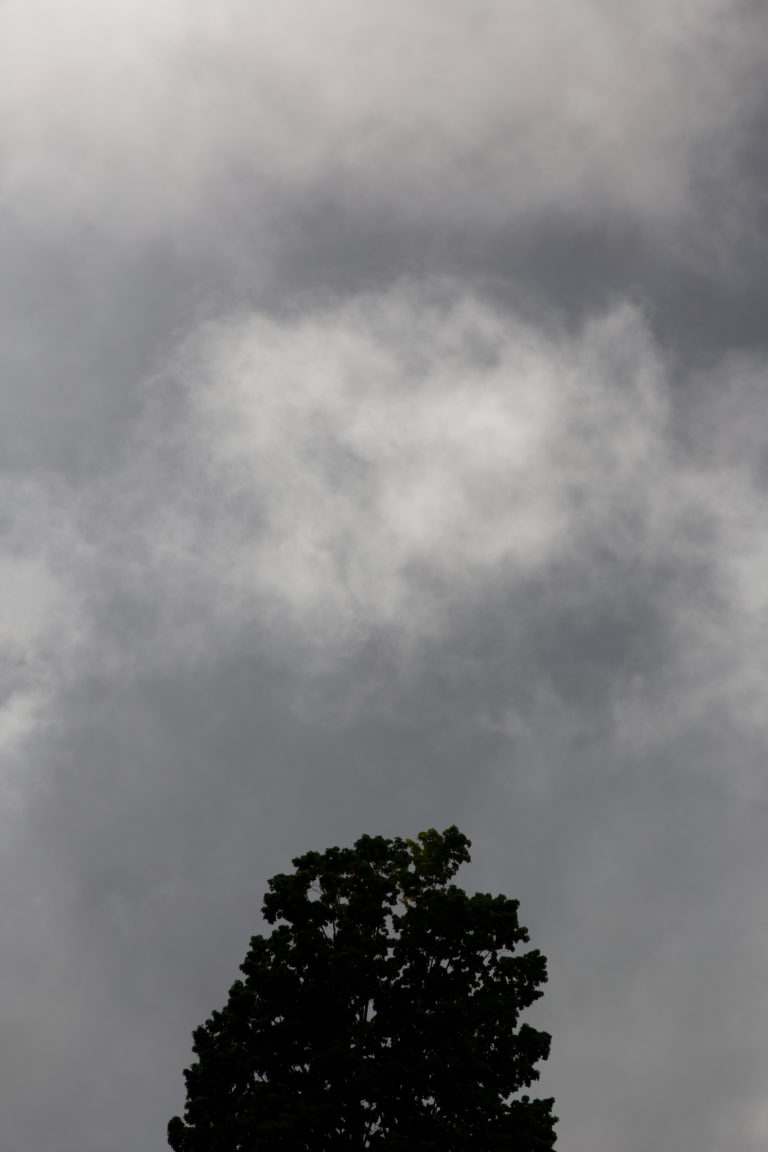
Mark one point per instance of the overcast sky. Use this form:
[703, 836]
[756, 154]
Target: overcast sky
[384, 445]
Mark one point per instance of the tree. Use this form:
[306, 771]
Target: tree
[382, 1013]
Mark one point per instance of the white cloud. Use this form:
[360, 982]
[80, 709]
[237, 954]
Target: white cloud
[385, 464]
[378, 468]
[138, 117]
[370, 462]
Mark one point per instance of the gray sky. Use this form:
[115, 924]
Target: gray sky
[383, 446]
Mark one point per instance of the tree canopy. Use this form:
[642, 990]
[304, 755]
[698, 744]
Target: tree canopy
[382, 1012]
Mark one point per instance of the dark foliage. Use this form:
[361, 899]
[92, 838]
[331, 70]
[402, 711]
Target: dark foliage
[381, 1013]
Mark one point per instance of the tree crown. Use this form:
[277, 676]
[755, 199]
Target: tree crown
[381, 1012]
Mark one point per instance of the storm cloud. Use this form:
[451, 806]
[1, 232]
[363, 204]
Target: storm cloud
[383, 396]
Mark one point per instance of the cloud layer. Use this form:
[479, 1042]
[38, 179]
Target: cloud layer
[491, 117]
[382, 447]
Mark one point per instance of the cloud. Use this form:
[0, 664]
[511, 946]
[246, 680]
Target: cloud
[142, 121]
[348, 551]
[381, 467]
[369, 464]
[300, 540]
[41, 616]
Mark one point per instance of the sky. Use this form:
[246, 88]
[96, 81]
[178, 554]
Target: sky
[382, 447]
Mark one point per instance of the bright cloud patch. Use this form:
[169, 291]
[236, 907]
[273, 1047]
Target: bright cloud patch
[377, 468]
[373, 461]
[384, 464]
[147, 116]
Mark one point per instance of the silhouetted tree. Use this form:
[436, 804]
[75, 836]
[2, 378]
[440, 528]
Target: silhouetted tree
[381, 1013]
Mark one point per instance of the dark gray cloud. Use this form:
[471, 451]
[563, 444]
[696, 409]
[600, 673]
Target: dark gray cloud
[381, 444]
